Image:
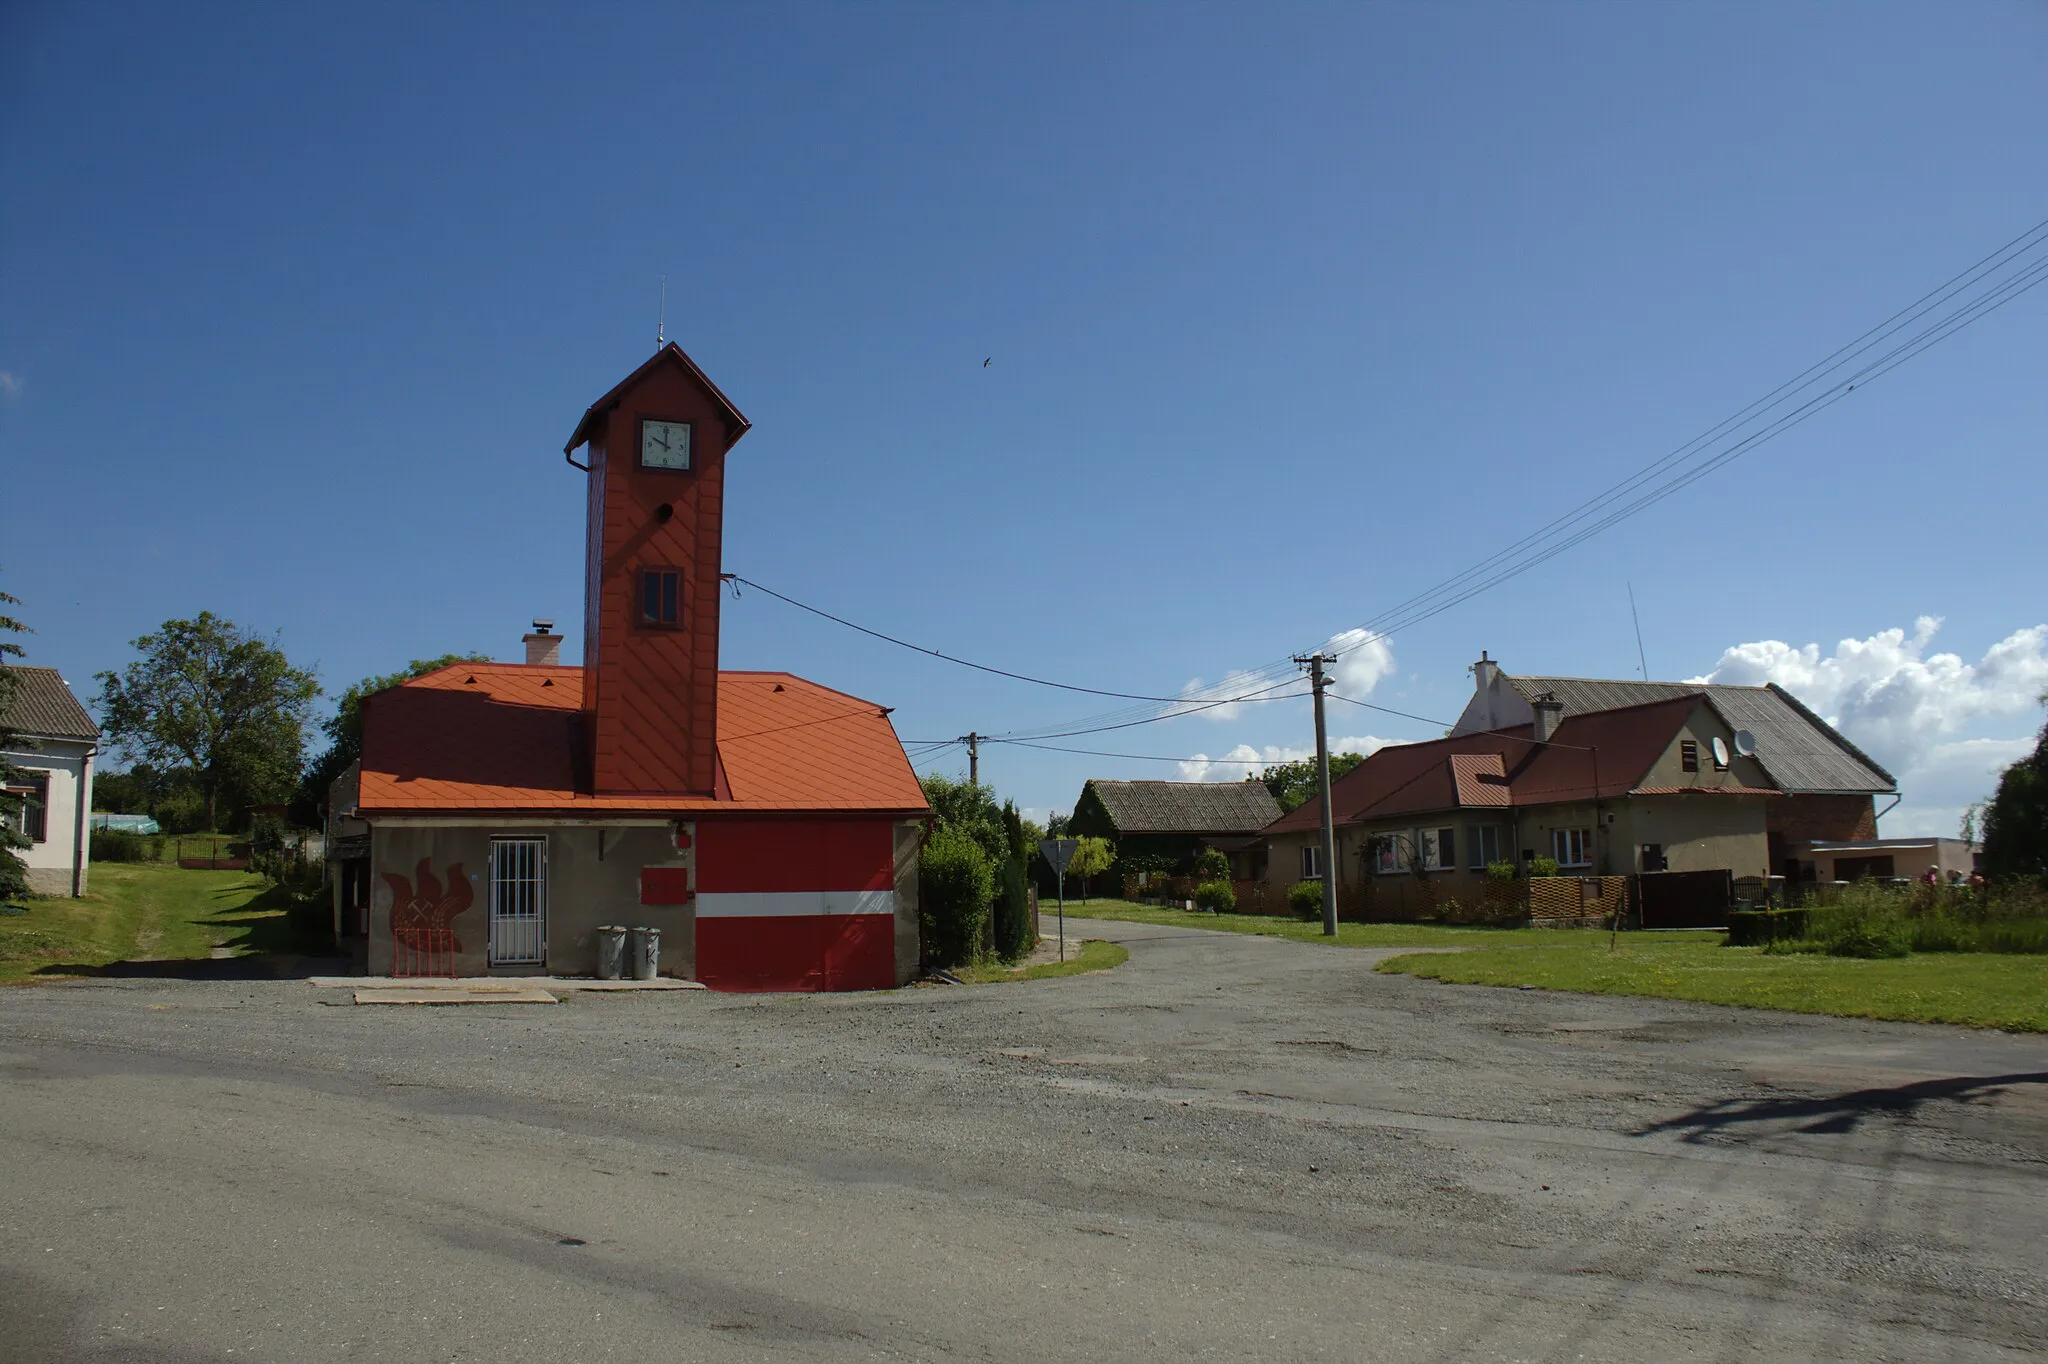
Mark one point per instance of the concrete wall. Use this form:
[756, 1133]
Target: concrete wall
[69, 766]
[1910, 857]
[593, 878]
[1697, 833]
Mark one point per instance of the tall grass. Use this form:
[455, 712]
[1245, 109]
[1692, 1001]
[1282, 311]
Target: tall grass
[1876, 921]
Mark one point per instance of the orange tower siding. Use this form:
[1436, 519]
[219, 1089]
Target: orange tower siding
[651, 693]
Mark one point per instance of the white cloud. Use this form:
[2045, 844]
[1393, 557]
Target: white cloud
[1247, 761]
[1898, 702]
[10, 384]
[1889, 694]
[1364, 660]
[1233, 684]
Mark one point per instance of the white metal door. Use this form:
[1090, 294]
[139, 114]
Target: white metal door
[519, 901]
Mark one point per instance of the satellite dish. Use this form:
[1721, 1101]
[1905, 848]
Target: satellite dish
[1720, 751]
[1745, 744]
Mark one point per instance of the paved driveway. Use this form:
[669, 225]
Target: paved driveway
[1230, 1146]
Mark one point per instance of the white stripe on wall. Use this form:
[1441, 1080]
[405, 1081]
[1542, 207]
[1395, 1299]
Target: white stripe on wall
[787, 904]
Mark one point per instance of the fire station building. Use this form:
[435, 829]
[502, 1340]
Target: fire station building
[502, 812]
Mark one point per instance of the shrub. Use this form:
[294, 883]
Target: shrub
[2014, 935]
[1218, 898]
[1305, 898]
[1013, 912]
[1502, 871]
[1212, 866]
[954, 887]
[1939, 932]
[1543, 866]
[115, 845]
[1868, 921]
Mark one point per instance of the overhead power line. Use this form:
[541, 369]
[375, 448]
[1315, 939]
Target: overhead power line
[1967, 297]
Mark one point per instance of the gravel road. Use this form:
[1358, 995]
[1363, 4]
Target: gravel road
[1230, 1146]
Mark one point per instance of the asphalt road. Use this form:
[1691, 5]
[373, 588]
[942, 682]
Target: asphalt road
[1229, 1147]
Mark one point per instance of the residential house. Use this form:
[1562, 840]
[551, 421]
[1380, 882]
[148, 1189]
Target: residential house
[1649, 787]
[1948, 858]
[1173, 821]
[1829, 785]
[767, 825]
[49, 798]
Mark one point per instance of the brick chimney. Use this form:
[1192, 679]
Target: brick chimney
[1549, 714]
[543, 645]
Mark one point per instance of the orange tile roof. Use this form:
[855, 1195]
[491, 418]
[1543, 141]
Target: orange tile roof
[507, 737]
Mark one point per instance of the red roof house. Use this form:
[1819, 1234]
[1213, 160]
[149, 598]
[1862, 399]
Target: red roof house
[1651, 787]
[503, 812]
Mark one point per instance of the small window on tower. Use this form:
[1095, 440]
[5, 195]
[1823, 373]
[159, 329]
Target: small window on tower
[1688, 755]
[659, 590]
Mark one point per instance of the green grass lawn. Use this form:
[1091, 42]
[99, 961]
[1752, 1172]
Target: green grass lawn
[1095, 955]
[1979, 990]
[139, 912]
[1348, 935]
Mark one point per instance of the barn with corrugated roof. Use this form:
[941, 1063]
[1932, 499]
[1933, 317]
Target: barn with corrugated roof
[503, 812]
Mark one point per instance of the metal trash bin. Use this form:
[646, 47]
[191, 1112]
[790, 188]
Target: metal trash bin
[611, 951]
[644, 951]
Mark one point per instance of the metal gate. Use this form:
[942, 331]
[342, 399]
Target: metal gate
[519, 901]
[1685, 899]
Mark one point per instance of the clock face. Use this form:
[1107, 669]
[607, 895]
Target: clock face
[664, 445]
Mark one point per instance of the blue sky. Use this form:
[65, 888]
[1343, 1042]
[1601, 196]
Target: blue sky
[1292, 312]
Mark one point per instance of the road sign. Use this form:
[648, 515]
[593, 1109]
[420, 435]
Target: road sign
[1059, 852]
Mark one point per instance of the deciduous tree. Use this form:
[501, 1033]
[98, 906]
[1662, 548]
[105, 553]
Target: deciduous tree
[1294, 784]
[13, 871]
[207, 694]
[2016, 821]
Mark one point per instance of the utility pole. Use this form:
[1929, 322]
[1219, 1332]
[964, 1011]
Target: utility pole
[1326, 861]
[973, 742]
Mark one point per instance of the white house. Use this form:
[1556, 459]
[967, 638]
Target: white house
[54, 745]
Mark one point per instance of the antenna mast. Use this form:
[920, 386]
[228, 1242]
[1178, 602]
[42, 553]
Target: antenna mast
[1639, 631]
[661, 318]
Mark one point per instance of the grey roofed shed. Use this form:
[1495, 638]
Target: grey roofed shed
[1801, 752]
[41, 706]
[1187, 807]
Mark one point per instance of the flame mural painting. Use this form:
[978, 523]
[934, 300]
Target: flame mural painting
[423, 914]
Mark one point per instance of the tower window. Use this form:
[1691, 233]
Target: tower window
[660, 589]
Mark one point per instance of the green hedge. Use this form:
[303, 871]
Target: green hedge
[1216, 896]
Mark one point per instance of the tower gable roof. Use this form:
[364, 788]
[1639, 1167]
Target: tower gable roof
[671, 354]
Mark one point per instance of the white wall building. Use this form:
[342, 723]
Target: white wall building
[49, 794]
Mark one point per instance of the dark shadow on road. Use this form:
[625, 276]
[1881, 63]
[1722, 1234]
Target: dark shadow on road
[201, 968]
[1838, 1113]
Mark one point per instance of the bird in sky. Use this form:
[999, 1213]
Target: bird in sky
[984, 364]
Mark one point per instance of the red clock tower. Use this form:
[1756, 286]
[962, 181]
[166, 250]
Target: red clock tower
[656, 469]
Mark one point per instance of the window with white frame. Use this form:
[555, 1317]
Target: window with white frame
[1386, 854]
[26, 807]
[1309, 854]
[1438, 849]
[1572, 847]
[1482, 841]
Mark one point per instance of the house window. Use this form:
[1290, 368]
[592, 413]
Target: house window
[31, 800]
[1484, 842]
[1386, 854]
[1438, 850]
[1688, 755]
[1308, 863]
[1572, 847]
[659, 590]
